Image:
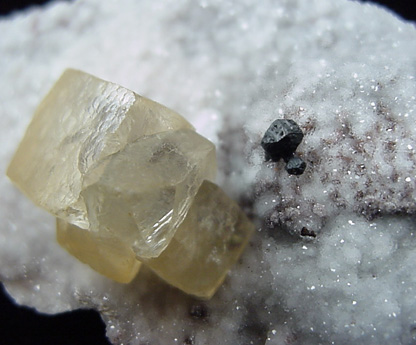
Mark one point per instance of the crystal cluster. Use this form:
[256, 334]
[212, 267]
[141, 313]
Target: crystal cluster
[127, 179]
[281, 141]
[344, 71]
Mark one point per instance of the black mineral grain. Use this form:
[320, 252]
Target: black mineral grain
[281, 140]
[295, 166]
[199, 311]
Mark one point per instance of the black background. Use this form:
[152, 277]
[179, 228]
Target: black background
[23, 326]
[405, 8]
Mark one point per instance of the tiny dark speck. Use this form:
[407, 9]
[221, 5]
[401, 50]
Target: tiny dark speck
[306, 232]
[199, 311]
[189, 341]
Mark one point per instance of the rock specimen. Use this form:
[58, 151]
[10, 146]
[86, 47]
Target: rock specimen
[342, 70]
[281, 141]
[121, 173]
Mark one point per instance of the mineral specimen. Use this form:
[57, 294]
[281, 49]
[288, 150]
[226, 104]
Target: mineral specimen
[295, 166]
[280, 142]
[101, 157]
[123, 175]
[345, 70]
[281, 139]
[206, 244]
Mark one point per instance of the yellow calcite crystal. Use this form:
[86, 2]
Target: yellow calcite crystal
[107, 255]
[143, 192]
[208, 242]
[79, 123]
[127, 179]
[104, 158]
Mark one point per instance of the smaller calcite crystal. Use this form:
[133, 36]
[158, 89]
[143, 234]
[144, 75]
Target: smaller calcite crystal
[207, 243]
[127, 179]
[107, 255]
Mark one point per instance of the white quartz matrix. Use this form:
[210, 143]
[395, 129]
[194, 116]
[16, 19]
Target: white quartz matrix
[345, 72]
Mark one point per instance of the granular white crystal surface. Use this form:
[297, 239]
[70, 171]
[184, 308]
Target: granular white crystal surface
[343, 71]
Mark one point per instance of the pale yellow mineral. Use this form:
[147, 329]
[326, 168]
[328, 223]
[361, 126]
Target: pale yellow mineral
[128, 180]
[85, 125]
[107, 255]
[143, 193]
[206, 245]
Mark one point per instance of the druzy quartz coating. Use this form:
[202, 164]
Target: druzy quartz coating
[128, 180]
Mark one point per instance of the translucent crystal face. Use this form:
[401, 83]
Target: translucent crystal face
[79, 123]
[144, 191]
[127, 179]
[106, 254]
[206, 244]
[102, 157]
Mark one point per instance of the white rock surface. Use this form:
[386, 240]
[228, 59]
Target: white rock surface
[344, 71]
